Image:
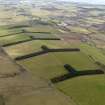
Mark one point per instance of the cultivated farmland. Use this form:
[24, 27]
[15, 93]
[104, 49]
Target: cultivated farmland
[87, 90]
[52, 53]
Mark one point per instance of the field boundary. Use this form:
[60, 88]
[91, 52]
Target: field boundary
[31, 39]
[18, 42]
[11, 34]
[46, 50]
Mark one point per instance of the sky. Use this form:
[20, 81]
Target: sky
[82, 1]
[88, 1]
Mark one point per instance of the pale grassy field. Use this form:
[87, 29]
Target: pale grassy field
[41, 28]
[13, 38]
[4, 31]
[94, 21]
[79, 30]
[34, 46]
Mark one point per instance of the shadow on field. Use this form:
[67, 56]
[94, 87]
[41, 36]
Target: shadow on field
[45, 50]
[74, 73]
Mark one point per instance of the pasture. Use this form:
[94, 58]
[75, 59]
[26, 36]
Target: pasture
[13, 39]
[43, 35]
[51, 65]
[34, 46]
[42, 29]
[5, 32]
[79, 30]
[88, 90]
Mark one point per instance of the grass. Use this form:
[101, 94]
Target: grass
[88, 90]
[20, 19]
[51, 65]
[94, 21]
[76, 59]
[33, 46]
[79, 30]
[40, 13]
[46, 66]
[12, 39]
[96, 54]
[43, 35]
[4, 32]
[31, 89]
[42, 28]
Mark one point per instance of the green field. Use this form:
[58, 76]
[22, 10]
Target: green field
[33, 46]
[96, 54]
[4, 31]
[37, 66]
[88, 90]
[51, 65]
[13, 38]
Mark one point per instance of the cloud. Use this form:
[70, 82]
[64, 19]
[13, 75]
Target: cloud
[87, 1]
